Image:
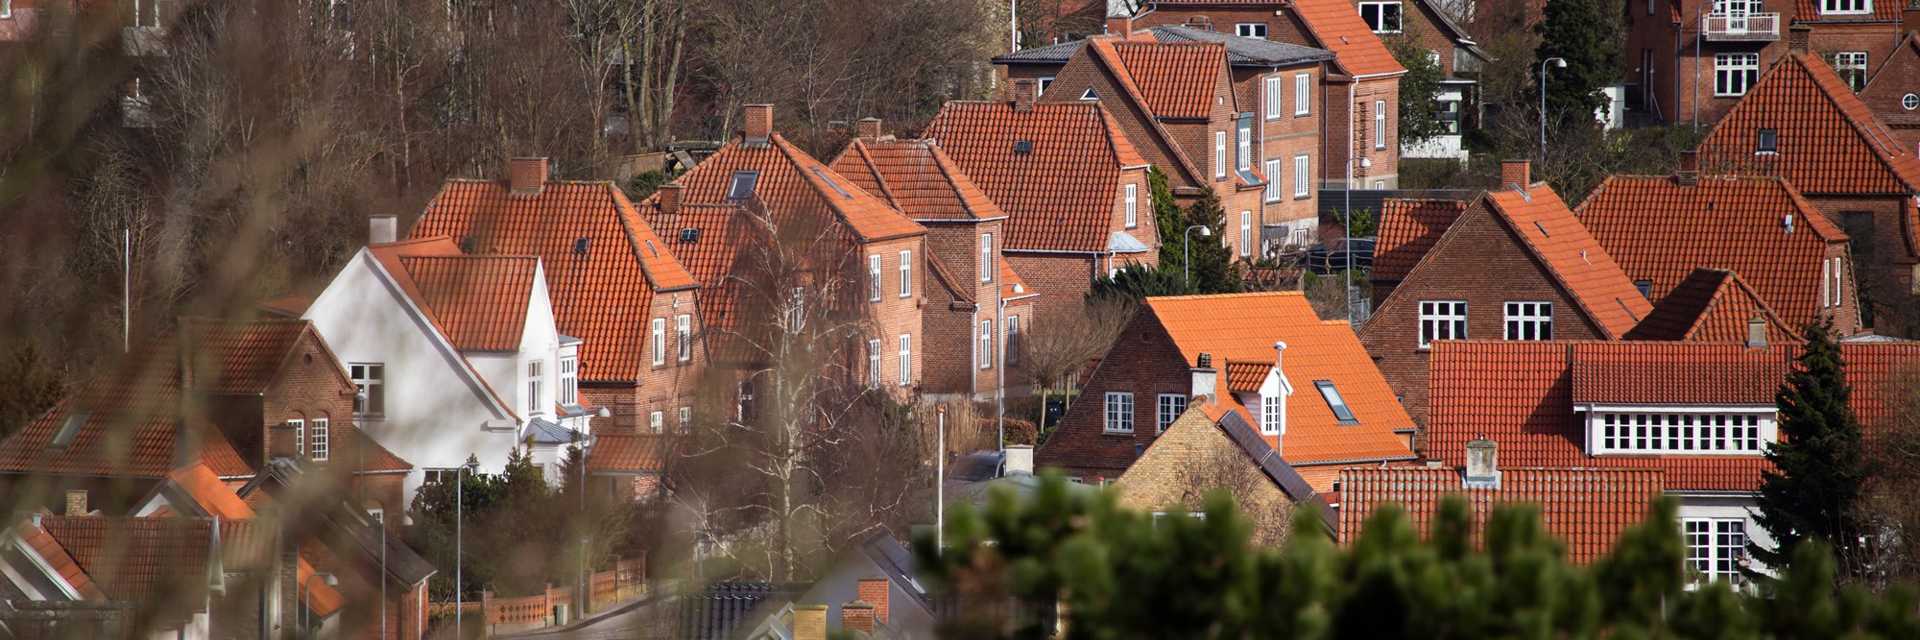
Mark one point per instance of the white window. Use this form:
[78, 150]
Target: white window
[1826, 283]
[1219, 154]
[146, 13]
[6, 8]
[906, 359]
[1852, 67]
[1379, 124]
[1273, 98]
[1382, 17]
[1243, 146]
[797, 309]
[1442, 320]
[683, 336]
[1910, 101]
[570, 381]
[986, 257]
[377, 515]
[370, 394]
[1529, 321]
[533, 388]
[1302, 176]
[657, 422]
[1013, 341]
[873, 278]
[1716, 547]
[873, 363]
[299, 427]
[1132, 197]
[1119, 412]
[341, 11]
[1250, 29]
[1171, 405]
[1271, 410]
[1734, 73]
[906, 274]
[1044, 84]
[659, 341]
[686, 419]
[1246, 233]
[1844, 7]
[1089, 94]
[318, 440]
[986, 344]
[1679, 433]
[1302, 93]
[1272, 170]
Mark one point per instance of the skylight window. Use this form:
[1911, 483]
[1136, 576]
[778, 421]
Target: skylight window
[68, 430]
[1335, 402]
[742, 185]
[817, 171]
[1766, 141]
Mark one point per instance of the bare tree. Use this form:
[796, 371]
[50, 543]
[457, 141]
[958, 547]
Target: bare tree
[1059, 345]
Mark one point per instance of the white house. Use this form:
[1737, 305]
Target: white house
[455, 355]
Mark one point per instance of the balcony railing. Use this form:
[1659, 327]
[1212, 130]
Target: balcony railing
[1738, 28]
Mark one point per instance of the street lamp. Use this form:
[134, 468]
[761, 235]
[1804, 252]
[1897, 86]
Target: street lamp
[1560, 63]
[306, 611]
[1186, 257]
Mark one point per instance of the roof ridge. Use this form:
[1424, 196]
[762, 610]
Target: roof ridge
[1561, 279]
[1102, 48]
[1877, 140]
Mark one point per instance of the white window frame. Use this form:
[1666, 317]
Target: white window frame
[1219, 155]
[1271, 85]
[1716, 547]
[299, 435]
[1527, 320]
[1243, 146]
[6, 8]
[657, 422]
[570, 381]
[906, 273]
[873, 278]
[986, 257]
[659, 341]
[1379, 124]
[797, 309]
[370, 388]
[1302, 93]
[535, 376]
[1682, 431]
[1246, 233]
[683, 336]
[141, 11]
[986, 345]
[873, 362]
[1274, 171]
[1843, 8]
[1271, 413]
[1167, 408]
[319, 440]
[1302, 176]
[1826, 283]
[906, 359]
[1735, 73]
[1012, 357]
[1130, 193]
[1042, 84]
[1250, 29]
[1118, 412]
[1852, 67]
[1379, 22]
[1441, 320]
[686, 419]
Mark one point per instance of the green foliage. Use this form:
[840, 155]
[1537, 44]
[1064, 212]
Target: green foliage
[1136, 282]
[1363, 225]
[517, 534]
[1213, 268]
[33, 385]
[1120, 574]
[1587, 34]
[645, 183]
[1419, 88]
[1819, 470]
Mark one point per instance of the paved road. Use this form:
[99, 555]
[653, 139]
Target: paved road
[638, 620]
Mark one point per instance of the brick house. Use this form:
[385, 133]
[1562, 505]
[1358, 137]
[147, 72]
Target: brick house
[1660, 229]
[1266, 357]
[110, 577]
[1893, 92]
[1210, 447]
[1073, 187]
[976, 308]
[1801, 123]
[1714, 305]
[1585, 509]
[1704, 421]
[1408, 229]
[1692, 60]
[1516, 264]
[610, 278]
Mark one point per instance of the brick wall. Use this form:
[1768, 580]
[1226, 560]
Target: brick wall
[1143, 361]
[1082, 73]
[1283, 138]
[1062, 279]
[1147, 232]
[895, 315]
[1884, 268]
[312, 387]
[665, 387]
[1193, 458]
[1892, 81]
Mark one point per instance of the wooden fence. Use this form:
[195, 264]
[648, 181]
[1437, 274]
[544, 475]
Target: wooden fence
[624, 582]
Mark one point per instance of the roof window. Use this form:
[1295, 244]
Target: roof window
[741, 187]
[69, 429]
[1022, 147]
[1089, 94]
[1335, 402]
[822, 174]
[690, 235]
[1766, 141]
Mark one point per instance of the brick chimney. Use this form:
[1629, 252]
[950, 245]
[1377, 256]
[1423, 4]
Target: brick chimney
[1120, 26]
[1023, 91]
[527, 176]
[810, 622]
[857, 616]
[1797, 37]
[1689, 172]
[875, 591]
[1205, 377]
[758, 125]
[868, 129]
[669, 201]
[383, 229]
[1516, 174]
[76, 502]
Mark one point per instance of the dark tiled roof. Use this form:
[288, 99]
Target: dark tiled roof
[137, 559]
[1408, 228]
[1587, 509]
[718, 612]
[1711, 305]
[1247, 52]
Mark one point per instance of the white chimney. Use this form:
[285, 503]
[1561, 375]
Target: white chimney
[1483, 464]
[383, 229]
[1019, 460]
[1205, 377]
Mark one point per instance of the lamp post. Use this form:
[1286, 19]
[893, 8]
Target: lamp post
[459, 514]
[306, 612]
[1186, 256]
[1560, 63]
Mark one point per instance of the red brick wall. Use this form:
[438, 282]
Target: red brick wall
[1062, 279]
[665, 387]
[894, 315]
[312, 387]
[1144, 361]
[1147, 232]
[1284, 137]
[1887, 271]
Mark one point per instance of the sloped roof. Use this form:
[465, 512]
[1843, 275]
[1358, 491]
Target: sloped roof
[207, 491]
[1522, 396]
[1710, 305]
[1012, 286]
[480, 301]
[1577, 262]
[137, 559]
[611, 453]
[1659, 229]
[57, 558]
[917, 178]
[1246, 52]
[597, 293]
[792, 183]
[1059, 196]
[1809, 11]
[1586, 509]
[1176, 80]
[1408, 228]
[1337, 26]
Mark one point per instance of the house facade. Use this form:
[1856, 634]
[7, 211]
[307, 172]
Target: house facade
[1893, 93]
[1209, 448]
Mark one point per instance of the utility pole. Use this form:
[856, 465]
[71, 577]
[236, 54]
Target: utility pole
[940, 483]
[459, 511]
[126, 289]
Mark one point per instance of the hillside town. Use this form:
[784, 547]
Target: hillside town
[739, 319]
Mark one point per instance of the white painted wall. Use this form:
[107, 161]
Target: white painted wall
[1697, 506]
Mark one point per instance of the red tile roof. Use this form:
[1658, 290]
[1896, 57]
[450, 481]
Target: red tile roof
[1175, 80]
[1059, 196]
[1337, 27]
[1012, 286]
[479, 301]
[1408, 228]
[1710, 305]
[792, 183]
[137, 559]
[619, 453]
[720, 230]
[58, 559]
[596, 296]
[1576, 261]
[1522, 396]
[916, 177]
[1809, 11]
[1586, 509]
[212, 495]
[369, 456]
[1660, 230]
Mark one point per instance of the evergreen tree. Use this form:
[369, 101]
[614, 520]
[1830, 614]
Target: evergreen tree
[1587, 34]
[1819, 469]
[1419, 88]
[1214, 268]
[1135, 282]
[33, 385]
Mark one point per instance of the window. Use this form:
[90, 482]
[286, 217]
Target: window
[1852, 67]
[1846, 6]
[986, 257]
[1044, 84]
[1529, 321]
[1272, 87]
[1645, 287]
[437, 476]
[657, 422]
[1639, 432]
[873, 278]
[1302, 100]
[1170, 406]
[1832, 292]
[1013, 341]
[299, 428]
[1250, 29]
[533, 387]
[1910, 101]
[1338, 404]
[1271, 412]
[906, 359]
[146, 13]
[1272, 170]
[341, 12]
[683, 336]
[1716, 547]
[797, 309]
[1246, 233]
[1379, 124]
[377, 515]
[686, 419]
[743, 407]
[369, 381]
[1119, 412]
[741, 187]
[6, 8]
[1766, 141]
[906, 274]
[1734, 73]
[1089, 94]
[1132, 197]
[1219, 155]
[659, 341]
[1442, 320]
[1382, 17]
[570, 381]
[873, 363]
[1826, 283]
[1243, 149]
[986, 344]
[1449, 116]
[1302, 176]
[318, 440]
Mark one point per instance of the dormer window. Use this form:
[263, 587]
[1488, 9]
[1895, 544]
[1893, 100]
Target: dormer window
[1338, 404]
[1680, 431]
[1845, 7]
[742, 185]
[570, 381]
[1272, 415]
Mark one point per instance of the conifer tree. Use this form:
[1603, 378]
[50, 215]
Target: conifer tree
[1587, 34]
[1819, 468]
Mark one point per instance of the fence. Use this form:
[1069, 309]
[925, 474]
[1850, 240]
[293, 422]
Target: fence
[555, 607]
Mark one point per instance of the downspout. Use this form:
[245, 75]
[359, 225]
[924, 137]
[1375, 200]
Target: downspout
[1346, 214]
[1696, 70]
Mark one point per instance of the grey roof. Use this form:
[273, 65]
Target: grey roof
[1123, 242]
[1331, 200]
[1241, 52]
[1273, 466]
[975, 467]
[1050, 54]
[544, 431]
[717, 612]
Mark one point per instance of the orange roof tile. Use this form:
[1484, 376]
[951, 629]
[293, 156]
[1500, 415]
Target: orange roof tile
[1827, 140]
[1175, 87]
[1337, 27]
[1576, 261]
[611, 453]
[793, 183]
[370, 457]
[1809, 11]
[597, 292]
[210, 493]
[137, 559]
[1059, 196]
[1660, 230]
[1175, 80]
[58, 559]
[479, 301]
[917, 178]
[1012, 286]
[1408, 228]
[1710, 305]
[1586, 509]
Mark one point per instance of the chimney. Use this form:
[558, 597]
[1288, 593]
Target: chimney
[856, 616]
[1120, 26]
[1019, 459]
[1200, 22]
[1205, 377]
[810, 622]
[875, 591]
[1023, 91]
[383, 229]
[76, 502]
[759, 124]
[1483, 465]
[527, 176]
[1756, 333]
[1689, 173]
[669, 201]
[1797, 37]
[1516, 174]
[868, 129]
